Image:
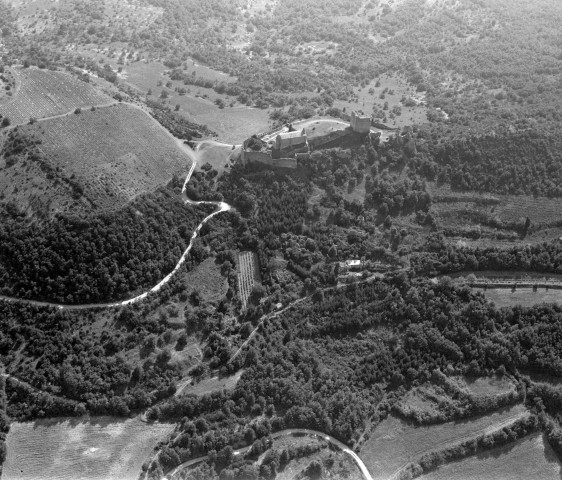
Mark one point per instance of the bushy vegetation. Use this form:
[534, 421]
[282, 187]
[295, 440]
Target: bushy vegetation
[71, 370]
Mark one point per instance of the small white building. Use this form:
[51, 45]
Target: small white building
[351, 266]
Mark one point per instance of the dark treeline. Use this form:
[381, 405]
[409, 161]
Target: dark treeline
[442, 258]
[100, 258]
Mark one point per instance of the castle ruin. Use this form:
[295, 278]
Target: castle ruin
[360, 123]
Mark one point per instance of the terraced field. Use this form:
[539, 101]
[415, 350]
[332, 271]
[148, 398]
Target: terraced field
[72, 449]
[248, 275]
[530, 457]
[395, 443]
[46, 93]
[114, 153]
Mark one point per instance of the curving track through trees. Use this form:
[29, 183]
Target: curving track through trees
[222, 207]
[283, 433]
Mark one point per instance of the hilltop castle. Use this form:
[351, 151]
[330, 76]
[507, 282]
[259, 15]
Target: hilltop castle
[285, 148]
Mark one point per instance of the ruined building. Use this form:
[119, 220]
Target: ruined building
[360, 123]
[282, 151]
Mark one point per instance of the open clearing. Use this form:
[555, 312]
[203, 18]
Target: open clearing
[72, 449]
[215, 384]
[214, 153]
[233, 123]
[114, 153]
[483, 386]
[528, 458]
[45, 93]
[395, 443]
[207, 279]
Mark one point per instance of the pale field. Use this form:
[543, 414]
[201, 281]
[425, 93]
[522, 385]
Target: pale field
[101, 448]
[215, 384]
[482, 386]
[504, 297]
[233, 124]
[394, 443]
[217, 155]
[528, 458]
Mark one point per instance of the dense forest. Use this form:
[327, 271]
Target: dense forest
[100, 258]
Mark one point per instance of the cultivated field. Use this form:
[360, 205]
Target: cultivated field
[73, 449]
[45, 93]
[206, 278]
[248, 275]
[528, 458]
[395, 443]
[504, 297]
[115, 153]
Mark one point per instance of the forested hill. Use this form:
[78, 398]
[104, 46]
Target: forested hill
[100, 258]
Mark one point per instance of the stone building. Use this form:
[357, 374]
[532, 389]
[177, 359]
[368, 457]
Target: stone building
[360, 123]
[294, 139]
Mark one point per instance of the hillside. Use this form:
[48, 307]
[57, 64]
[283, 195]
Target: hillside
[42, 93]
[89, 161]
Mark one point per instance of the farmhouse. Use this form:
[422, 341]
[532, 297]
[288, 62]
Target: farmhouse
[360, 123]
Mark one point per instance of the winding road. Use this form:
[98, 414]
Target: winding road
[222, 207]
[283, 433]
